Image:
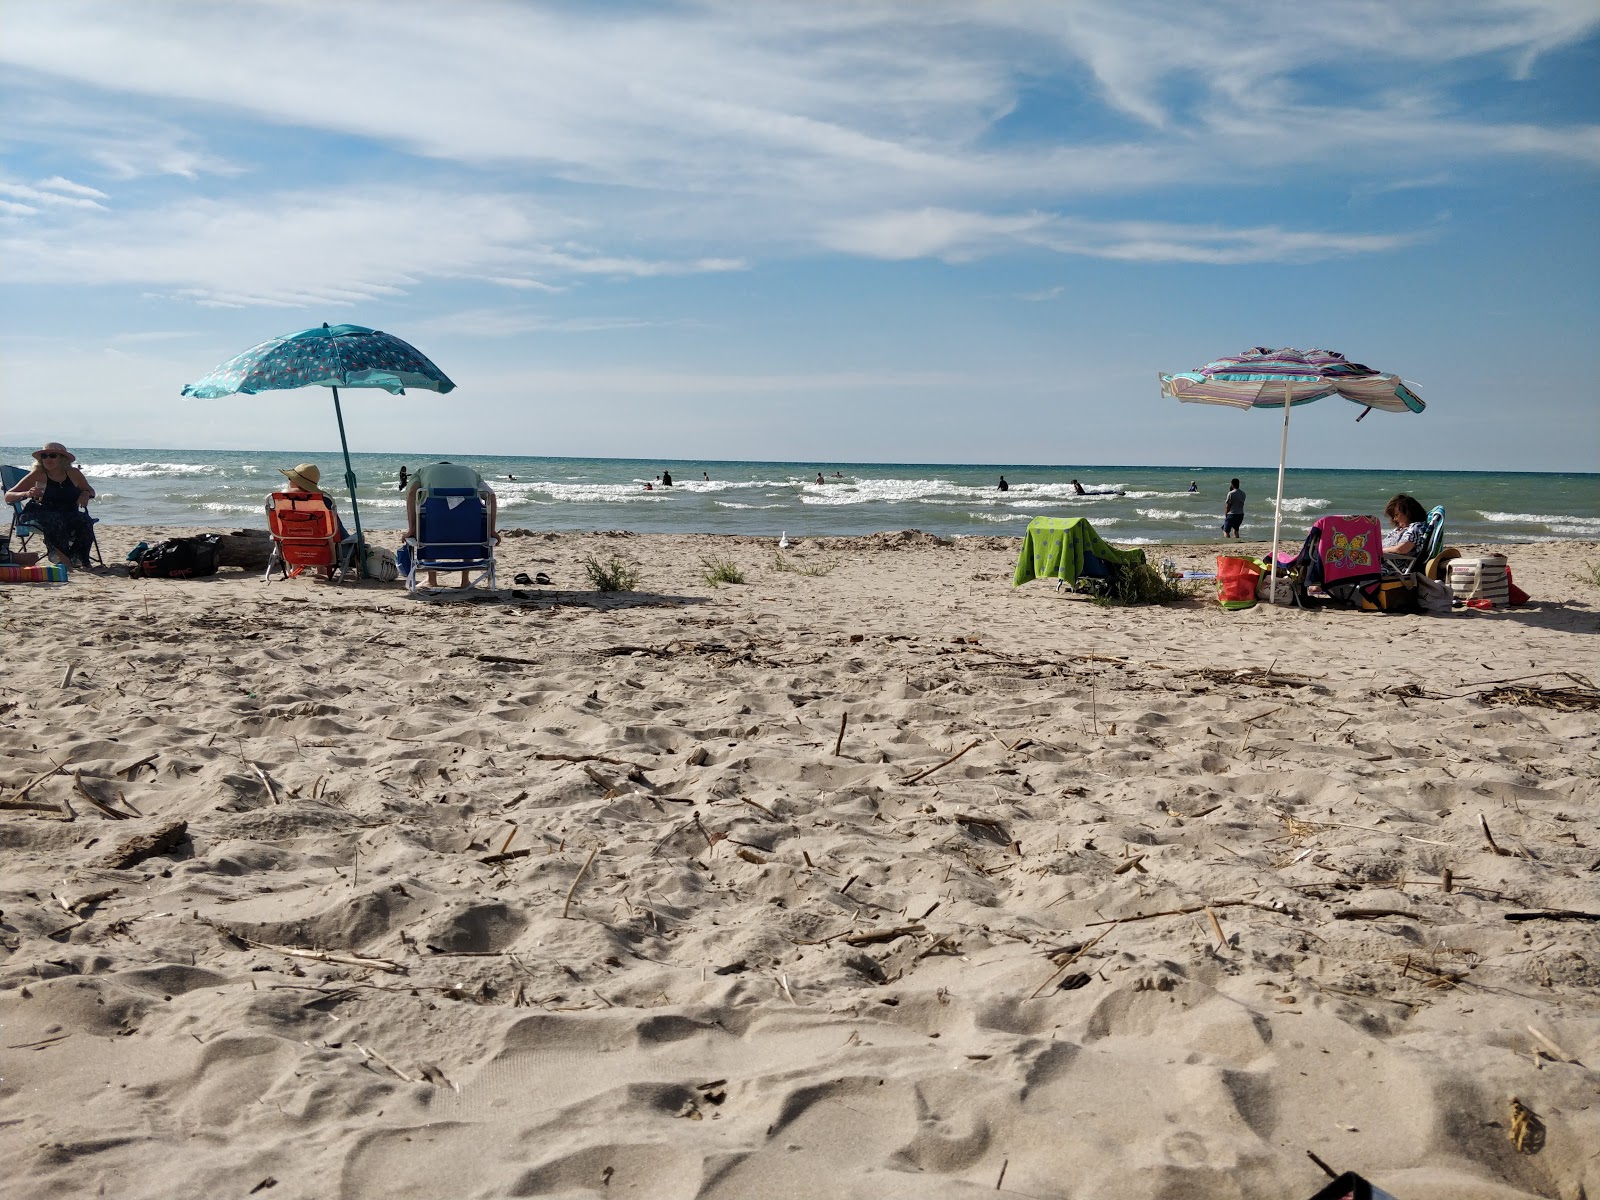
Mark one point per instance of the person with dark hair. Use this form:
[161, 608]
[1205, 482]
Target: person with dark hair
[1003, 485]
[1232, 510]
[1409, 522]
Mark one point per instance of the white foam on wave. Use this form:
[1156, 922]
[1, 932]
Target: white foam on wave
[1555, 522]
[736, 504]
[1000, 518]
[1165, 514]
[1183, 495]
[878, 491]
[1299, 504]
[150, 470]
[232, 508]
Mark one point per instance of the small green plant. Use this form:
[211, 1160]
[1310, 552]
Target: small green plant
[613, 575]
[721, 570]
[814, 570]
[1140, 583]
[1590, 574]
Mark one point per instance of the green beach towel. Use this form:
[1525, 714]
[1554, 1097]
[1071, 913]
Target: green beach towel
[1055, 547]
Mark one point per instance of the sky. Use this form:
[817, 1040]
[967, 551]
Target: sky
[892, 232]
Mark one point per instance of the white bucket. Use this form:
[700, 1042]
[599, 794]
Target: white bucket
[1480, 579]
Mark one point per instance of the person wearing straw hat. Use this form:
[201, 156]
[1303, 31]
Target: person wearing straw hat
[307, 477]
[55, 499]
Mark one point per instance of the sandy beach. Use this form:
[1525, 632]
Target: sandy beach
[872, 877]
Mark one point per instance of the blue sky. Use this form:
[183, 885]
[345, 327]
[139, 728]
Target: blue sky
[914, 231]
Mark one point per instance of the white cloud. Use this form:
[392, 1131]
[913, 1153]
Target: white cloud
[57, 184]
[312, 248]
[955, 236]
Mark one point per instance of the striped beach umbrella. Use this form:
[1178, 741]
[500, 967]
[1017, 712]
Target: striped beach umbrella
[1265, 378]
[331, 356]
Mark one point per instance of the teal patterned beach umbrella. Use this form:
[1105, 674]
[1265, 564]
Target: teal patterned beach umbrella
[331, 356]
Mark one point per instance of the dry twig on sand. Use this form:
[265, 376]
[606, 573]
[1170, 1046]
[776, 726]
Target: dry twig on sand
[566, 907]
[940, 766]
[345, 960]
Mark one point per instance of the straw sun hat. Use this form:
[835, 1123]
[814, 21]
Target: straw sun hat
[56, 447]
[304, 478]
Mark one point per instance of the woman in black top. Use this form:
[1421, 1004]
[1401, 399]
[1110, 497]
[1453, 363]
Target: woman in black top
[54, 497]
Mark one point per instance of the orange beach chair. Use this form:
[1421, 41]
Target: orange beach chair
[305, 535]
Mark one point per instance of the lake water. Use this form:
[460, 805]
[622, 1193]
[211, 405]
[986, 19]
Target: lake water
[226, 488]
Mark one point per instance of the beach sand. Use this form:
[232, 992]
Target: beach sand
[572, 896]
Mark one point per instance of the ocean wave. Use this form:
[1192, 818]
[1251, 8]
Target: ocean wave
[1555, 522]
[1299, 504]
[1000, 518]
[1183, 495]
[736, 504]
[1166, 514]
[150, 470]
[231, 508]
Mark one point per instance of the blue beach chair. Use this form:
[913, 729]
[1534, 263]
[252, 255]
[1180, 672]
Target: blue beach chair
[9, 478]
[452, 535]
[1399, 566]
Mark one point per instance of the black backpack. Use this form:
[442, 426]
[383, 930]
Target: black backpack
[177, 558]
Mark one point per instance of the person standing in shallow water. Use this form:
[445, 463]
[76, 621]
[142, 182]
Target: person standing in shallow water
[404, 475]
[1232, 510]
[666, 479]
[1003, 485]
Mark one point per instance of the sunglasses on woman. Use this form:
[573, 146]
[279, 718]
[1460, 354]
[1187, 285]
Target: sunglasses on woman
[52, 454]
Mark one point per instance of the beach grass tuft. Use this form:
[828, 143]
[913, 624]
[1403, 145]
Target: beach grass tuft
[721, 570]
[1590, 573]
[612, 575]
[1139, 584]
[814, 570]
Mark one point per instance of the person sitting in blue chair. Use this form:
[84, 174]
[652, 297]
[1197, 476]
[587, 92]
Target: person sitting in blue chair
[55, 498]
[449, 475]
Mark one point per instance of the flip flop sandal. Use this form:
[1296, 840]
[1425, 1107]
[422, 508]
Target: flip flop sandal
[541, 577]
[522, 577]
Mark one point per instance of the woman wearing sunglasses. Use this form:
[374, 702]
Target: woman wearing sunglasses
[54, 497]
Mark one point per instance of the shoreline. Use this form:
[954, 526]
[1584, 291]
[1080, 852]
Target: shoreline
[878, 881]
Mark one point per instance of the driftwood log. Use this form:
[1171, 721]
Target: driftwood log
[247, 548]
[130, 852]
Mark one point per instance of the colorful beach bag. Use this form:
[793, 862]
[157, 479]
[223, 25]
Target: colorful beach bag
[1237, 578]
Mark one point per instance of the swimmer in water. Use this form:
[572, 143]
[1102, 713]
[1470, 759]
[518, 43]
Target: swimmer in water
[1078, 488]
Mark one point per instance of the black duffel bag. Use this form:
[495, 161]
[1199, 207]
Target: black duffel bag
[177, 558]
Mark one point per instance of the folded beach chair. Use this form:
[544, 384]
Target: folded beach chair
[452, 535]
[1415, 563]
[1068, 549]
[305, 536]
[9, 478]
[1340, 556]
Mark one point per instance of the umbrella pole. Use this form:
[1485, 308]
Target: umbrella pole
[355, 511]
[1277, 509]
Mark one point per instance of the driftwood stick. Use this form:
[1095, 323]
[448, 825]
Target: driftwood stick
[132, 769]
[838, 742]
[1375, 914]
[587, 758]
[1554, 914]
[344, 960]
[266, 781]
[576, 880]
[55, 769]
[762, 807]
[882, 935]
[945, 763]
[1489, 837]
[66, 676]
[83, 790]
[401, 1075]
[507, 658]
[1061, 968]
[1183, 912]
[489, 860]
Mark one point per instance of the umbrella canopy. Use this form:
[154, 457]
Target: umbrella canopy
[336, 356]
[1262, 378]
[1265, 378]
[331, 356]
